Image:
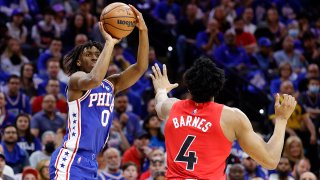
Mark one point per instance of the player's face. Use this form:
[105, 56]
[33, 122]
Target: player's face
[22, 123]
[88, 58]
[130, 173]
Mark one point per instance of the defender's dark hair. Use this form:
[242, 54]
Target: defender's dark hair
[70, 61]
[204, 80]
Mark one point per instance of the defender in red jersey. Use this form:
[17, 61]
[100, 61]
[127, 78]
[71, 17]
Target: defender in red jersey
[199, 132]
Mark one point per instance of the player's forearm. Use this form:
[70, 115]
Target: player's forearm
[161, 97]
[275, 144]
[143, 52]
[100, 69]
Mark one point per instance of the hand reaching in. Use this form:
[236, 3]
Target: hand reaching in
[160, 80]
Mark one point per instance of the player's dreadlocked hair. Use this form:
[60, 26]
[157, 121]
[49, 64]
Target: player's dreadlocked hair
[70, 61]
[204, 80]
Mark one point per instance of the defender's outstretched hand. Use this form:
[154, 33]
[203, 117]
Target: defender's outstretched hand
[284, 109]
[107, 36]
[160, 80]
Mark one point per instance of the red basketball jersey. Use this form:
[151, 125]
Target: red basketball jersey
[196, 146]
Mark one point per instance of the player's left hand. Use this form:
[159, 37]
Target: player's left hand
[141, 25]
[160, 80]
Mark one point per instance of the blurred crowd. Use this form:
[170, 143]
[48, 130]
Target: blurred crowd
[264, 46]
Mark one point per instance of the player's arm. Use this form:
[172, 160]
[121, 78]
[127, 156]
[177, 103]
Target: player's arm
[132, 74]
[267, 154]
[162, 86]
[81, 81]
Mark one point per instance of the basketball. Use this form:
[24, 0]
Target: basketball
[118, 20]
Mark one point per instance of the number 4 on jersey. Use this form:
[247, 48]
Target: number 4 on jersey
[191, 158]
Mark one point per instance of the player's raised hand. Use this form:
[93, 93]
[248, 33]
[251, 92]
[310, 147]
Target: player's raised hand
[141, 25]
[284, 109]
[160, 80]
[106, 35]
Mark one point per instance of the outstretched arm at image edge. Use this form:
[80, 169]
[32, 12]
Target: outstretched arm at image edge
[267, 154]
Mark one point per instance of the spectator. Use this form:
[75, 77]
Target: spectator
[117, 138]
[187, 30]
[248, 18]
[128, 120]
[6, 117]
[16, 28]
[43, 169]
[244, 39]
[312, 72]
[167, 12]
[157, 154]
[84, 9]
[12, 59]
[220, 15]
[252, 169]
[30, 174]
[300, 167]
[53, 87]
[29, 80]
[293, 149]
[47, 141]
[16, 101]
[60, 19]
[47, 119]
[264, 57]
[310, 49]
[16, 157]
[53, 73]
[80, 39]
[208, 40]
[26, 140]
[283, 170]
[156, 165]
[138, 153]
[316, 30]
[277, 28]
[54, 51]
[159, 175]
[308, 176]
[230, 55]
[2, 167]
[77, 25]
[295, 58]
[121, 57]
[45, 30]
[130, 171]
[152, 125]
[285, 74]
[236, 172]
[228, 9]
[299, 119]
[70, 6]
[113, 160]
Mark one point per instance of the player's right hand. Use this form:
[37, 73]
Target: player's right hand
[284, 109]
[107, 36]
